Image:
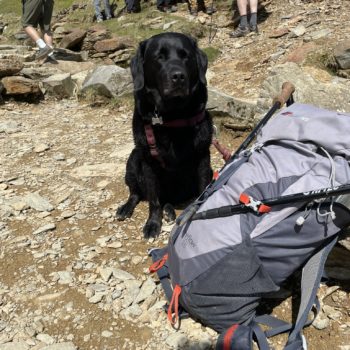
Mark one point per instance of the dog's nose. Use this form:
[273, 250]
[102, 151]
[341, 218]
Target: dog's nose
[178, 77]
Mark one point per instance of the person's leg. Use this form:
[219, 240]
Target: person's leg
[45, 24]
[242, 8]
[242, 29]
[32, 33]
[253, 22]
[98, 11]
[30, 18]
[108, 9]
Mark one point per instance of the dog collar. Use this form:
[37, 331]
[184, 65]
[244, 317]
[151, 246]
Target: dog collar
[178, 123]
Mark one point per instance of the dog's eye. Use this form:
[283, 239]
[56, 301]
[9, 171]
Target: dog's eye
[183, 54]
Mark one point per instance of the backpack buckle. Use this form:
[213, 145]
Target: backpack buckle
[256, 205]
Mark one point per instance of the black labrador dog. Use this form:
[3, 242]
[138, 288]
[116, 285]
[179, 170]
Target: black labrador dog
[172, 131]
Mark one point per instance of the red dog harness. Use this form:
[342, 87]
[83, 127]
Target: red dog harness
[177, 123]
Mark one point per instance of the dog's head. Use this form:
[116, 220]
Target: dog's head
[169, 67]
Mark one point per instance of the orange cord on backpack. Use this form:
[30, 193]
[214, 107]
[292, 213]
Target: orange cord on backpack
[174, 306]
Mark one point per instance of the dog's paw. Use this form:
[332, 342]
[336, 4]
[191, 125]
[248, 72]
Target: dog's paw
[151, 229]
[169, 213]
[123, 212]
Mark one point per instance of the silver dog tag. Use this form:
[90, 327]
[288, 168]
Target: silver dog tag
[157, 120]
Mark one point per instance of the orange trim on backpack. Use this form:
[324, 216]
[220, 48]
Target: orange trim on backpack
[174, 306]
[228, 336]
[157, 265]
[215, 175]
[244, 198]
[264, 208]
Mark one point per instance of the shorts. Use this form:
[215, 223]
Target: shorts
[37, 12]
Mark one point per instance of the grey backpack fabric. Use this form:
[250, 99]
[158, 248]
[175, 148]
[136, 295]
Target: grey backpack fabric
[226, 265]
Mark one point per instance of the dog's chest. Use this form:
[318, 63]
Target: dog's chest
[176, 144]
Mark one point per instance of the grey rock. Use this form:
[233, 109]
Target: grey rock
[106, 334]
[9, 127]
[65, 277]
[309, 88]
[60, 346]
[223, 104]
[45, 338]
[342, 54]
[319, 34]
[45, 228]
[106, 273]
[297, 31]
[15, 346]
[122, 275]
[60, 85]
[35, 201]
[109, 81]
[67, 55]
[176, 340]
[131, 312]
[39, 73]
[93, 170]
[147, 289]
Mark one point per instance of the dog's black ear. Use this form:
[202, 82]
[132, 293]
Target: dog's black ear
[202, 62]
[136, 66]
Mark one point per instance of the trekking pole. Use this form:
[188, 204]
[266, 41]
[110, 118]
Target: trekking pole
[264, 205]
[286, 96]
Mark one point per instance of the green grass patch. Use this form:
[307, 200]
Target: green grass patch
[212, 53]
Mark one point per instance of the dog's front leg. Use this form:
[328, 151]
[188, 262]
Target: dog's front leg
[152, 189]
[205, 173]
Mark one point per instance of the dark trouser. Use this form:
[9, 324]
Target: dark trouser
[37, 12]
[133, 5]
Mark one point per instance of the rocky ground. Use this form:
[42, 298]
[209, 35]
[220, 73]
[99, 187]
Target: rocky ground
[72, 277]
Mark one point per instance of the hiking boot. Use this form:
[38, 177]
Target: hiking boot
[239, 32]
[99, 20]
[44, 52]
[194, 12]
[210, 10]
[167, 9]
[254, 29]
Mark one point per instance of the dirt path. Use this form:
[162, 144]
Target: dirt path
[71, 274]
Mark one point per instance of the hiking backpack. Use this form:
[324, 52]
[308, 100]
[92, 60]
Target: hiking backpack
[273, 209]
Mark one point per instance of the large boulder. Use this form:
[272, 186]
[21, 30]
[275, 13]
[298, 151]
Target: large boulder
[20, 86]
[74, 38]
[9, 67]
[314, 86]
[222, 104]
[109, 81]
[60, 85]
[342, 54]
[113, 44]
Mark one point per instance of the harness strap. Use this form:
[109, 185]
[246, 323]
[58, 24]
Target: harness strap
[151, 140]
[182, 123]
[226, 153]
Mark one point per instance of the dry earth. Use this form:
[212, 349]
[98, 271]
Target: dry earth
[71, 275]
